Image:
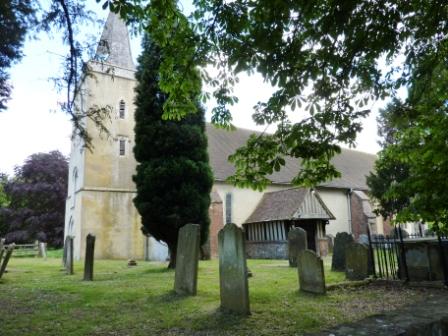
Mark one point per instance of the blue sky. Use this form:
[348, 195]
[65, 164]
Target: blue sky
[33, 123]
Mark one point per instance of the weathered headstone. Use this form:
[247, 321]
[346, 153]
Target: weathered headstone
[89, 258]
[69, 260]
[8, 252]
[296, 242]
[234, 287]
[42, 250]
[357, 261]
[341, 241]
[311, 272]
[187, 259]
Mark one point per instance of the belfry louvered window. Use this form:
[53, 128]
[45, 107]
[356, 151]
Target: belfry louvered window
[122, 147]
[122, 109]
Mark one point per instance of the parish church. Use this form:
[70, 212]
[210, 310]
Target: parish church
[101, 189]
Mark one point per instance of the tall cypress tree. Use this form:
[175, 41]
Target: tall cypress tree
[173, 176]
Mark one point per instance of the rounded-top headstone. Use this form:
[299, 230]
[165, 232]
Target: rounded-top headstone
[357, 261]
[297, 241]
[341, 241]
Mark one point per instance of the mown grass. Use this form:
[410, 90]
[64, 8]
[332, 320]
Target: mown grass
[38, 298]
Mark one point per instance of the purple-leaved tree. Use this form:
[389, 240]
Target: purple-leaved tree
[36, 200]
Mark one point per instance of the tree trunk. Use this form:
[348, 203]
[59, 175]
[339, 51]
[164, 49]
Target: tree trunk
[173, 252]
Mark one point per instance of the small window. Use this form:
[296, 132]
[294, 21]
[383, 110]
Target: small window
[122, 147]
[122, 109]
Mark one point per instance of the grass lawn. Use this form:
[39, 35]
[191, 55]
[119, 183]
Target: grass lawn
[37, 298]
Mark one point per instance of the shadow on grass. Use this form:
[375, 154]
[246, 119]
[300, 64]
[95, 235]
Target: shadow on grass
[219, 319]
[170, 297]
[159, 270]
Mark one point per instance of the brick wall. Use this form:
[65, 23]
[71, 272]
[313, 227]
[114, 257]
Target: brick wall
[359, 220]
[216, 223]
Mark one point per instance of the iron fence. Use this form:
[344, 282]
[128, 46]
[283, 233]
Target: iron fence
[388, 254]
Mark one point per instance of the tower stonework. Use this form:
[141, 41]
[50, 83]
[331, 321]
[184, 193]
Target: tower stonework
[101, 189]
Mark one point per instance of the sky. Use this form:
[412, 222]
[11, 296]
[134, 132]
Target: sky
[33, 123]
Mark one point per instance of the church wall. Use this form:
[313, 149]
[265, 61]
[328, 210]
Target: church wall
[113, 219]
[336, 201]
[244, 201]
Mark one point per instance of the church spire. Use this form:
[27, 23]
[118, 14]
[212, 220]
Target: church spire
[114, 47]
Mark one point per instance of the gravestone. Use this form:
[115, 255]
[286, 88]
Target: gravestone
[357, 261]
[341, 241]
[88, 261]
[311, 272]
[64, 252]
[187, 259]
[2, 249]
[42, 250]
[234, 287]
[69, 256]
[363, 239]
[4, 263]
[330, 242]
[296, 242]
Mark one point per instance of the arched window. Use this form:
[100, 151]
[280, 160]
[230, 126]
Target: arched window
[122, 109]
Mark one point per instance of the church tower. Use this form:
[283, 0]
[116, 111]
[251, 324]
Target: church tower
[101, 189]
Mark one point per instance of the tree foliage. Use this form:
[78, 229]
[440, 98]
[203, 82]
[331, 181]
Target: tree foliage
[326, 60]
[389, 169]
[36, 200]
[421, 143]
[16, 18]
[19, 18]
[173, 177]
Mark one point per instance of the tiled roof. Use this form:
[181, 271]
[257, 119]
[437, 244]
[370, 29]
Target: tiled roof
[353, 165]
[294, 203]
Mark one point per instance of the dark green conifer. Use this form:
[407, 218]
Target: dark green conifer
[173, 176]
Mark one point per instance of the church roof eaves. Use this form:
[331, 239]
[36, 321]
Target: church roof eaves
[353, 165]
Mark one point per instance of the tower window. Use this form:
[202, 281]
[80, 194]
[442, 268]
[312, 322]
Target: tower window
[122, 147]
[122, 109]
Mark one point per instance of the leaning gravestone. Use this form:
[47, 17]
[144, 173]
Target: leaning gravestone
[341, 241]
[8, 253]
[88, 261]
[187, 259]
[357, 261]
[234, 288]
[296, 242]
[69, 260]
[311, 272]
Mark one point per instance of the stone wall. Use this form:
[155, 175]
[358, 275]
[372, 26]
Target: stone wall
[267, 250]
